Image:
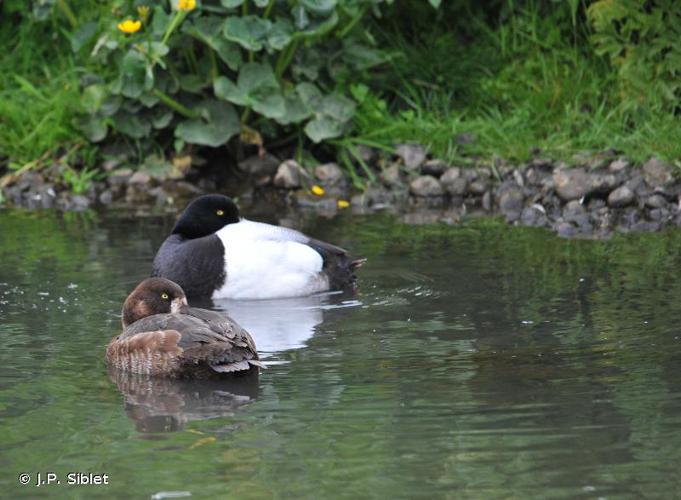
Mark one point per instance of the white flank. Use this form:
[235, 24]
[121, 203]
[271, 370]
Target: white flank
[264, 262]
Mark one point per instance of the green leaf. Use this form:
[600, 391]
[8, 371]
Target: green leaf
[300, 17]
[209, 31]
[94, 128]
[218, 124]
[133, 77]
[337, 107]
[192, 83]
[310, 94]
[319, 7]
[280, 35]
[323, 128]
[261, 3]
[83, 35]
[230, 4]
[435, 3]
[131, 125]
[254, 76]
[272, 106]
[225, 89]
[93, 98]
[161, 118]
[250, 31]
[295, 110]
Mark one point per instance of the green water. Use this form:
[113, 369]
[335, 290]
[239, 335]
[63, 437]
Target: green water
[478, 361]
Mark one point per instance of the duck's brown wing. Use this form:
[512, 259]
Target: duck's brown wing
[183, 345]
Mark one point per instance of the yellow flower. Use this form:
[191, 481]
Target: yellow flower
[317, 190]
[129, 26]
[186, 4]
[343, 203]
[143, 12]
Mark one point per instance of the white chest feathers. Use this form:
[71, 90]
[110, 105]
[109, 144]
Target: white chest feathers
[264, 262]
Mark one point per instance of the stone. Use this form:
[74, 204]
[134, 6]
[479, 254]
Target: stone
[391, 176]
[120, 177]
[486, 201]
[511, 200]
[478, 187]
[450, 175]
[621, 197]
[426, 186]
[412, 155]
[456, 187]
[257, 166]
[434, 167]
[602, 183]
[657, 173]
[140, 178]
[534, 216]
[656, 201]
[288, 175]
[619, 165]
[566, 230]
[571, 184]
[367, 154]
[330, 174]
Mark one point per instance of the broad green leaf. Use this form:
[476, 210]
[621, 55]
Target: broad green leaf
[160, 21]
[192, 83]
[111, 105]
[309, 94]
[218, 124]
[280, 35]
[209, 31]
[261, 3]
[131, 125]
[254, 76]
[230, 4]
[300, 17]
[322, 128]
[272, 106]
[93, 98]
[225, 89]
[322, 26]
[337, 107]
[149, 99]
[295, 111]
[319, 7]
[83, 35]
[133, 77]
[161, 118]
[94, 128]
[250, 31]
[435, 3]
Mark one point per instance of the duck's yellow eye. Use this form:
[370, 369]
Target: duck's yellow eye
[220, 212]
[164, 296]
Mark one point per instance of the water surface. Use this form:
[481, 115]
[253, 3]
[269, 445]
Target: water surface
[477, 361]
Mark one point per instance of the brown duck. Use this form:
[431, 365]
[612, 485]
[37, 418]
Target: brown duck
[163, 336]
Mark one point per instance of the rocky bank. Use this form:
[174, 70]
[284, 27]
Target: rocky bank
[592, 197]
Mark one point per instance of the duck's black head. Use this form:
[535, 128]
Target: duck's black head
[205, 215]
[152, 296]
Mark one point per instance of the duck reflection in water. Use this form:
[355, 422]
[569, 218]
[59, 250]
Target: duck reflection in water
[158, 405]
[278, 325]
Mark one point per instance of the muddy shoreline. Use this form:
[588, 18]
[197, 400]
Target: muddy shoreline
[594, 197]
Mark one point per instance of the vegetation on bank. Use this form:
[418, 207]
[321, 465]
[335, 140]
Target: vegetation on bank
[80, 78]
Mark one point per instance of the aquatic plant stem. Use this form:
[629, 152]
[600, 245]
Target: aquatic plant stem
[179, 17]
[173, 104]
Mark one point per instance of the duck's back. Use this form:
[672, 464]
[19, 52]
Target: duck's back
[195, 343]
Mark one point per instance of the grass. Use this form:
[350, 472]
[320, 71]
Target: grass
[532, 82]
[525, 79]
[39, 94]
